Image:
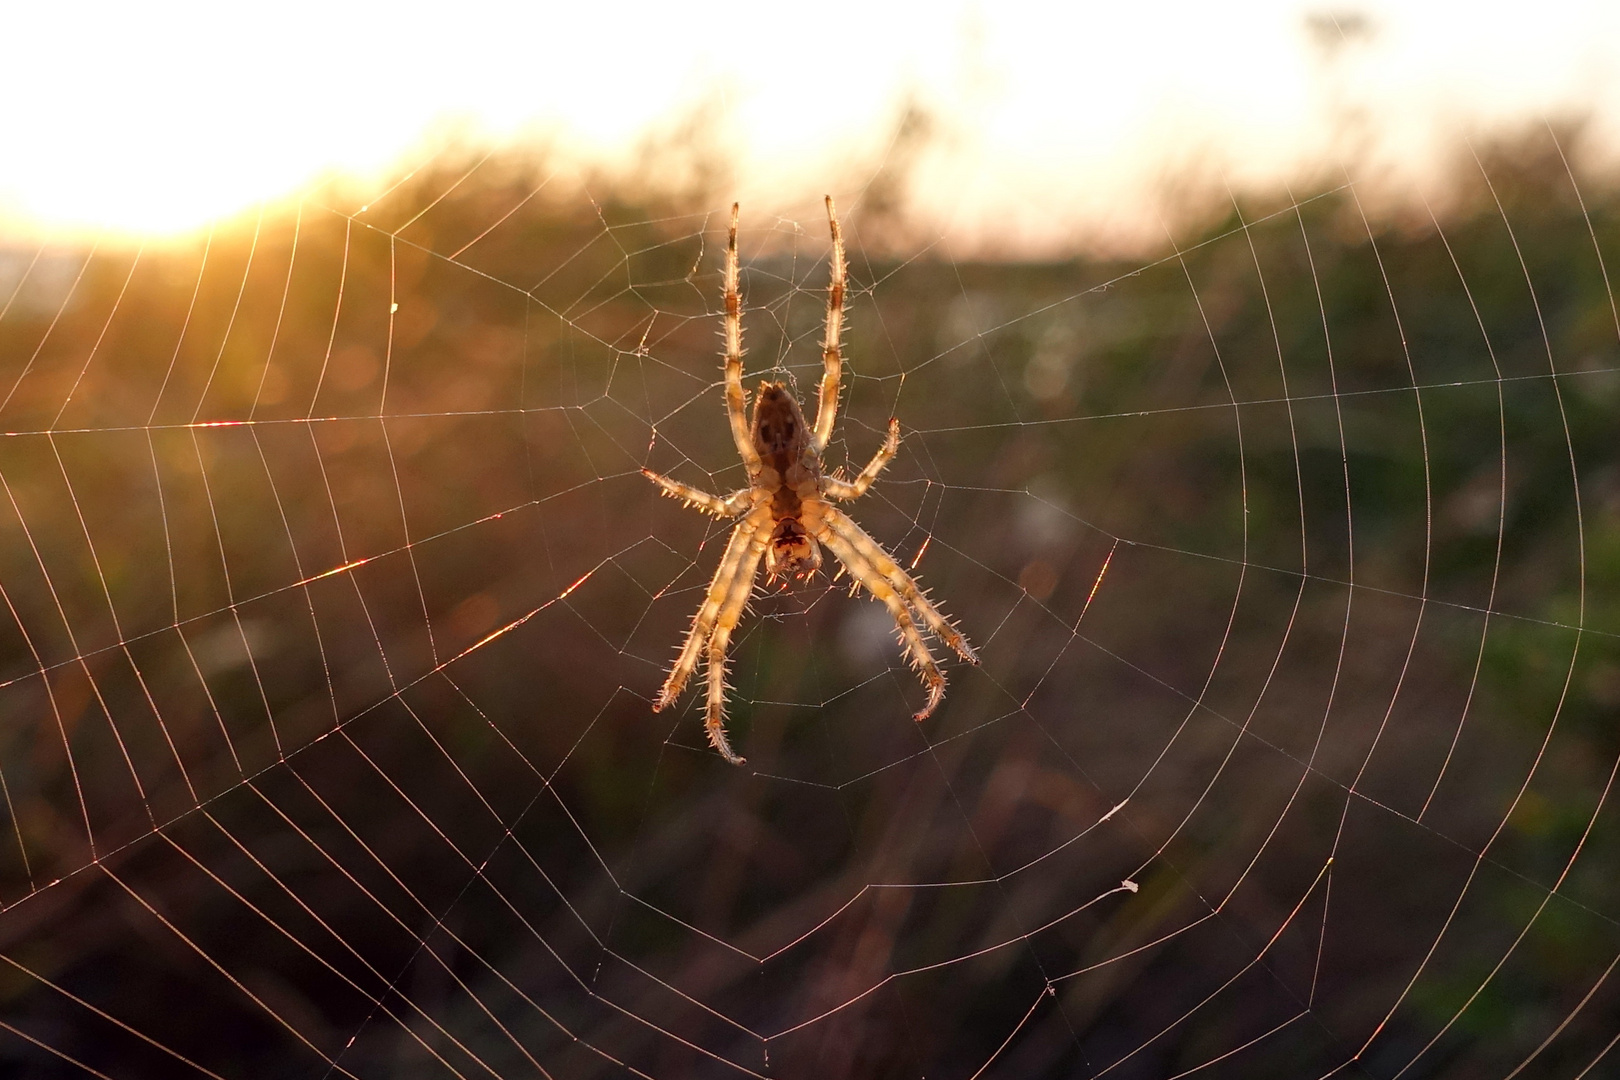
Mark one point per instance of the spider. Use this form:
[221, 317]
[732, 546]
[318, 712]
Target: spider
[786, 514]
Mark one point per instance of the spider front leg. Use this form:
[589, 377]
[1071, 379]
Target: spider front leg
[730, 506]
[832, 358]
[844, 490]
[736, 399]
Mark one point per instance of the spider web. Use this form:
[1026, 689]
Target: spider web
[337, 602]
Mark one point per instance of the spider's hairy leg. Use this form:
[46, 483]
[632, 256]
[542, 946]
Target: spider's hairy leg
[832, 358]
[749, 532]
[741, 588]
[844, 526]
[845, 490]
[729, 506]
[736, 399]
[871, 575]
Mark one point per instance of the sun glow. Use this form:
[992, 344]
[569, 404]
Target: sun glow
[1038, 126]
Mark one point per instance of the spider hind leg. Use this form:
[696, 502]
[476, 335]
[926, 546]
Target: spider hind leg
[739, 589]
[880, 575]
[741, 560]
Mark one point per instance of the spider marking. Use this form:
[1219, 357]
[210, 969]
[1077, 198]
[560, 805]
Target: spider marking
[787, 514]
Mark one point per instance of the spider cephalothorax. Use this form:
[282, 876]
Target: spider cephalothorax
[787, 513]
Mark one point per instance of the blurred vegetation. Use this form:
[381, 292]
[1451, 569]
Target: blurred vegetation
[279, 796]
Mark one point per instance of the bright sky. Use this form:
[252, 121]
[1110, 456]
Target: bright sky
[1049, 122]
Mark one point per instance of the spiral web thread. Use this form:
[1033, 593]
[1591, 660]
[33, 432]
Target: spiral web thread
[336, 604]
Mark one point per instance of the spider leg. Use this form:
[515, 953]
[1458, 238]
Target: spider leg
[729, 506]
[862, 570]
[844, 490]
[852, 534]
[744, 538]
[872, 567]
[741, 588]
[736, 399]
[832, 359]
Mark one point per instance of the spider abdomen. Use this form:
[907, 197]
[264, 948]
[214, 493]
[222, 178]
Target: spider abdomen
[779, 432]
